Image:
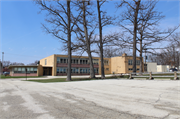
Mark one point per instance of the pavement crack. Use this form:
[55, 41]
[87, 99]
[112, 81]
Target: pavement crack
[159, 98]
[165, 116]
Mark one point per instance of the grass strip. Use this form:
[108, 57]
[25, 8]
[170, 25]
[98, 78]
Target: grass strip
[74, 79]
[172, 74]
[7, 77]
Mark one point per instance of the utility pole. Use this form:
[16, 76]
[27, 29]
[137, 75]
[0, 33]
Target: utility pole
[2, 58]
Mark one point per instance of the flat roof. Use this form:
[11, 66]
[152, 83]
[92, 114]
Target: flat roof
[76, 56]
[22, 66]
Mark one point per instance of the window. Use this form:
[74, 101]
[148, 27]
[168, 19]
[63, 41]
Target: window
[19, 70]
[35, 70]
[96, 70]
[57, 70]
[45, 61]
[76, 61]
[84, 70]
[81, 70]
[28, 70]
[77, 70]
[130, 69]
[64, 61]
[137, 69]
[137, 62]
[95, 61]
[86, 61]
[107, 69]
[23, 70]
[73, 70]
[61, 60]
[73, 61]
[106, 62]
[130, 62]
[61, 70]
[58, 59]
[15, 70]
[31, 70]
[81, 61]
[64, 70]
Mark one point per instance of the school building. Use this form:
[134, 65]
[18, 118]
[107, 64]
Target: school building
[56, 65]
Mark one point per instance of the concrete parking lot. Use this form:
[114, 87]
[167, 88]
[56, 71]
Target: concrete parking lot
[117, 99]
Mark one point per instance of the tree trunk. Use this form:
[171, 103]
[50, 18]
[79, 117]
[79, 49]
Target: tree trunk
[92, 74]
[134, 36]
[177, 60]
[141, 62]
[174, 56]
[100, 39]
[69, 42]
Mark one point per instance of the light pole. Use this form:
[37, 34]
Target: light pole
[2, 62]
[2, 57]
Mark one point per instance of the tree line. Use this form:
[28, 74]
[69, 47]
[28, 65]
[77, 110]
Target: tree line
[75, 24]
[8, 63]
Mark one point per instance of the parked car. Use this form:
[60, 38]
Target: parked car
[172, 69]
[6, 73]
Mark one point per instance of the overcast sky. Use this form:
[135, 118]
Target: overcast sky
[22, 38]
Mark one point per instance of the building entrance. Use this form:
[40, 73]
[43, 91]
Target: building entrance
[47, 71]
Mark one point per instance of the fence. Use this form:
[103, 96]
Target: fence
[151, 75]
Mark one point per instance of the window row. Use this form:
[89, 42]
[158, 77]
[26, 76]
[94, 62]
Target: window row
[106, 62]
[130, 62]
[130, 69]
[23, 70]
[76, 61]
[76, 70]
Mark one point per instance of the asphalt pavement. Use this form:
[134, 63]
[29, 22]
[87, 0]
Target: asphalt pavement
[98, 99]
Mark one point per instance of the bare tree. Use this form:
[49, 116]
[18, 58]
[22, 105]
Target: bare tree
[62, 21]
[16, 63]
[111, 51]
[84, 31]
[131, 15]
[6, 63]
[168, 56]
[34, 63]
[92, 73]
[147, 28]
[103, 20]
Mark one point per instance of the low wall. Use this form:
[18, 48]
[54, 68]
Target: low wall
[23, 74]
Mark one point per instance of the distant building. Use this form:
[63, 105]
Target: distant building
[163, 68]
[20, 70]
[56, 65]
[151, 66]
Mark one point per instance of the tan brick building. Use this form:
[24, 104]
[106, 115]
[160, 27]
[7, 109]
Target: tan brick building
[123, 64]
[56, 65]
